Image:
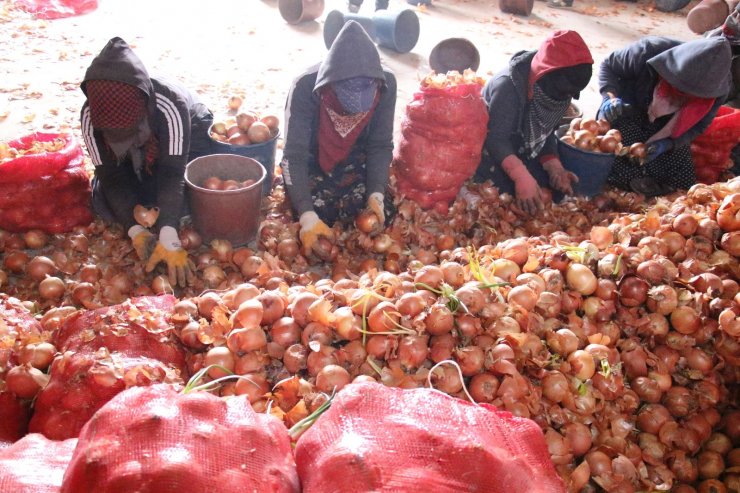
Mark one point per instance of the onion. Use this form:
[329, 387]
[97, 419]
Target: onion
[483, 387]
[35, 239]
[161, 284]
[190, 238]
[40, 267]
[295, 358]
[383, 318]
[252, 385]
[245, 340]
[633, 291]
[16, 261]
[652, 417]
[222, 356]
[249, 314]
[51, 288]
[38, 355]
[411, 304]
[367, 222]
[25, 381]
[582, 364]
[470, 359]
[332, 378]
[439, 320]
[728, 214]
[213, 275]
[523, 296]
[685, 320]
[685, 224]
[580, 278]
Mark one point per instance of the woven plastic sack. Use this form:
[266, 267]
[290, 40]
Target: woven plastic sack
[442, 135]
[45, 190]
[712, 149]
[382, 439]
[81, 383]
[35, 464]
[56, 9]
[156, 440]
[137, 327]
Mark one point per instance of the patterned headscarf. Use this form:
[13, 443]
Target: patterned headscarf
[115, 104]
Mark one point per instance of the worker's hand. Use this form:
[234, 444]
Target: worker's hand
[375, 204]
[311, 228]
[657, 148]
[560, 178]
[169, 249]
[611, 109]
[142, 240]
[528, 196]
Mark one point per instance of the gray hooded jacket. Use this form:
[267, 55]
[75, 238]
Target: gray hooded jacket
[700, 68]
[352, 54]
[172, 112]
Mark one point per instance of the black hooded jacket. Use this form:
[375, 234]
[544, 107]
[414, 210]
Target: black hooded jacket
[505, 95]
[172, 112]
[699, 68]
[352, 54]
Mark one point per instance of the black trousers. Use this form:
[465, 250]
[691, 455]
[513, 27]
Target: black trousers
[379, 4]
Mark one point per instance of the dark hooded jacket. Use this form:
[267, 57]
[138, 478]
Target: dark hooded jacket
[173, 113]
[352, 54]
[699, 68]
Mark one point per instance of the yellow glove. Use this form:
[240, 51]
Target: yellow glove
[375, 204]
[311, 228]
[142, 240]
[169, 249]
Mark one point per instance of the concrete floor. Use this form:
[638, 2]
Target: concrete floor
[245, 47]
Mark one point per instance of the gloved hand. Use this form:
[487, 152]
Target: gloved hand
[657, 148]
[560, 178]
[169, 249]
[311, 228]
[142, 240]
[611, 109]
[375, 204]
[527, 190]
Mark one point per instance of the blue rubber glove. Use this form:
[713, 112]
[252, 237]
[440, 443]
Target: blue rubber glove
[657, 148]
[611, 109]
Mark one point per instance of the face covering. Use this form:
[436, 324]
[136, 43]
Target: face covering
[357, 94]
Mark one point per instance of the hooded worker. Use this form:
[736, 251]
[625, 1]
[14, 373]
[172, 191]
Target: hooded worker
[665, 93]
[526, 102]
[339, 136]
[140, 132]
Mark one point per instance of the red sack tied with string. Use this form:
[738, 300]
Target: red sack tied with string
[388, 440]
[35, 464]
[712, 149]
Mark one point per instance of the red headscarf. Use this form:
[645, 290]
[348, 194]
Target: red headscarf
[114, 104]
[692, 109]
[561, 49]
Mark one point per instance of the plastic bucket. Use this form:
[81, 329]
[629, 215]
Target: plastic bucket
[232, 215]
[670, 5]
[264, 153]
[297, 11]
[518, 7]
[592, 168]
[335, 22]
[397, 30]
[454, 54]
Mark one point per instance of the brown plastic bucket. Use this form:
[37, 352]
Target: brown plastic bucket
[297, 11]
[518, 7]
[232, 215]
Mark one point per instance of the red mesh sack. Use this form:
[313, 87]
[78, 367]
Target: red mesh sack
[14, 416]
[47, 190]
[442, 135]
[137, 327]
[56, 9]
[712, 149]
[155, 440]
[35, 464]
[81, 383]
[382, 439]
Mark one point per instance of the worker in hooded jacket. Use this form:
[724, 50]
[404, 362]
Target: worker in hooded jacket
[665, 93]
[140, 133]
[339, 136]
[526, 102]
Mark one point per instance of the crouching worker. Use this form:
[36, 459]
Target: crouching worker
[526, 102]
[664, 93]
[141, 132]
[339, 137]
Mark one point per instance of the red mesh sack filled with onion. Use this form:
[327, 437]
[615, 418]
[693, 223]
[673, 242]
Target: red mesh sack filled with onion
[381, 439]
[155, 439]
[35, 464]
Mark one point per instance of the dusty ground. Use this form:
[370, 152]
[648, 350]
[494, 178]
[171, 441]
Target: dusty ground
[245, 46]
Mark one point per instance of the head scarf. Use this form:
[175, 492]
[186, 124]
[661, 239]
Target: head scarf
[561, 49]
[731, 27]
[115, 104]
[687, 110]
[356, 94]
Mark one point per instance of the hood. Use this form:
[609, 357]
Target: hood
[352, 54]
[561, 49]
[118, 62]
[678, 66]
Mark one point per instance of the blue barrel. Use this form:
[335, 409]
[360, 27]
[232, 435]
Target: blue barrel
[397, 30]
[264, 153]
[592, 168]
